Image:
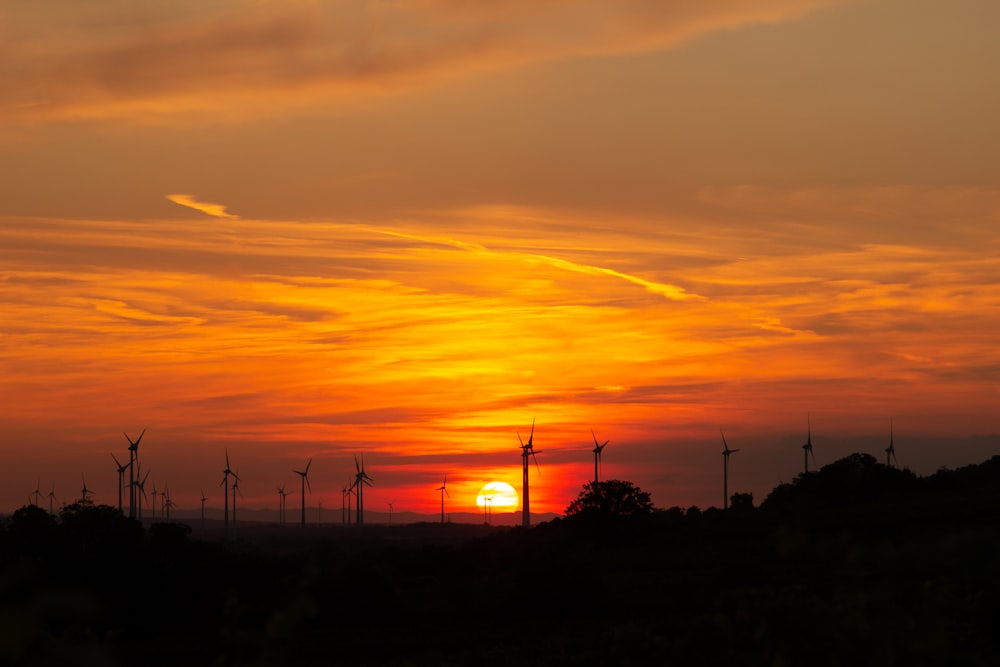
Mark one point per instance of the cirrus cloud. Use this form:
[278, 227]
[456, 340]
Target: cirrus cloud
[114, 58]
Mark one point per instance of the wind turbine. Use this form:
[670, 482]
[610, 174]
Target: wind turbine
[203, 499]
[390, 512]
[597, 456]
[36, 494]
[487, 506]
[235, 489]
[52, 497]
[168, 503]
[281, 504]
[154, 494]
[304, 474]
[725, 470]
[444, 490]
[526, 451]
[360, 479]
[807, 449]
[890, 451]
[121, 478]
[225, 492]
[133, 460]
[84, 491]
[141, 486]
[345, 502]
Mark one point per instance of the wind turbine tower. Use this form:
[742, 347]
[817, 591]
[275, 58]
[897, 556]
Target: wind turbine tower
[345, 503]
[597, 456]
[85, 491]
[140, 486]
[304, 474]
[890, 451]
[360, 479]
[527, 450]
[225, 492]
[203, 499]
[121, 478]
[133, 461]
[52, 497]
[725, 470]
[444, 490]
[281, 504]
[235, 489]
[807, 449]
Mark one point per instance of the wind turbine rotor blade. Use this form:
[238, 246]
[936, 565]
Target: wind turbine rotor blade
[227, 459]
[308, 485]
[307, 465]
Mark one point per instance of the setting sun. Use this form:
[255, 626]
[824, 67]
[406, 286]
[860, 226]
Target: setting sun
[498, 495]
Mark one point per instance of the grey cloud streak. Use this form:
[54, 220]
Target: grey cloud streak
[107, 58]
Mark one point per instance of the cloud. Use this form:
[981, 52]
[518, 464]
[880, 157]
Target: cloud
[214, 210]
[114, 58]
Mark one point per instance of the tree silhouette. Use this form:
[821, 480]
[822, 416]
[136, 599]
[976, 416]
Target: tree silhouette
[855, 480]
[612, 497]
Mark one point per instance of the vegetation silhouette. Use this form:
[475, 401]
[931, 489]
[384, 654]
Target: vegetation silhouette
[852, 563]
[612, 497]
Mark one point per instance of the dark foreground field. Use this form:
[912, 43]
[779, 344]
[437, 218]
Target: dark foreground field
[883, 584]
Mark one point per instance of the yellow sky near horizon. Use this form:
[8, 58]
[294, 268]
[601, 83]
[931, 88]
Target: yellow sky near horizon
[408, 228]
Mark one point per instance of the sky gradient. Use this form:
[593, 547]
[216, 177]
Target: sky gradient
[407, 229]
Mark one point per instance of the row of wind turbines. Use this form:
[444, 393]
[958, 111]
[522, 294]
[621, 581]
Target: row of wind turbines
[807, 451]
[353, 491]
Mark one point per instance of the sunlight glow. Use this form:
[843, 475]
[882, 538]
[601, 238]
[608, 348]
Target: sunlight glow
[497, 495]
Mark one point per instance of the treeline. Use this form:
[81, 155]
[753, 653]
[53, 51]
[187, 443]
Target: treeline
[847, 565]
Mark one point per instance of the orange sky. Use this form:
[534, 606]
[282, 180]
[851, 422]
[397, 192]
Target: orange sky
[407, 229]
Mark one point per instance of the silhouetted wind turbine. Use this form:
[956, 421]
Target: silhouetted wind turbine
[121, 478]
[225, 492]
[154, 494]
[807, 449]
[526, 451]
[597, 456]
[281, 504]
[487, 506]
[141, 486]
[725, 470]
[84, 491]
[304, 474]
[52, 497]
[390, 512]
[168, 503]
[890, 451]
[36, 494]
[203, 499]
[360, 479]
[235, 489]
[133, 460]
[444, 490]
[345, 501]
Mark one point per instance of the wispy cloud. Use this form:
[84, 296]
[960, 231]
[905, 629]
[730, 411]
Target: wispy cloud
[214, 210]
[113, 57]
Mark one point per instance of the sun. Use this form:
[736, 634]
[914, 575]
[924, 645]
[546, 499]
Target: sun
[499, 495]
